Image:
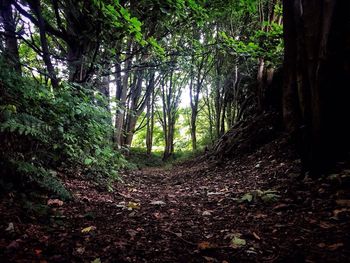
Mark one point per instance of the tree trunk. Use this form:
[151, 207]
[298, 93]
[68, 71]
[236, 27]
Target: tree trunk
[170, 95]
[193, 104]
[317, 74]
[122, 83]
[218, 107]
[11, 45]
[132, 116]
[35, 6]
[150, 123]
[193, 131]
[261, 84]
[210, 114]
[138, 104]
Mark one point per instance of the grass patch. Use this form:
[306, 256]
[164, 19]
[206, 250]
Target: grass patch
[138, 158]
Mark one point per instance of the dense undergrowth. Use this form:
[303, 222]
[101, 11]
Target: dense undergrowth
[42, 129]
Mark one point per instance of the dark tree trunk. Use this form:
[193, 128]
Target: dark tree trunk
[35, 6]
[170, 95]
[138, 102]
[122, 83]
[150, 122]
[317, 76]
[11, 46]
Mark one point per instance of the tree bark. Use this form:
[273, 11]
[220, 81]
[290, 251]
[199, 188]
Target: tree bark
[122, 83]
[35, 6]
[317, 74]
[150, 123]
[11, 45]
[170, 95]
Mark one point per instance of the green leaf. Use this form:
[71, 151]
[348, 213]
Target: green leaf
[269, 197]
[247, 197]
[88, 161]
[238, 242]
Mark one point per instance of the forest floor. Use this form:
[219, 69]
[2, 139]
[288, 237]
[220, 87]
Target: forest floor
[249, 209]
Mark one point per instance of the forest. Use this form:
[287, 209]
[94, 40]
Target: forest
[174, 131]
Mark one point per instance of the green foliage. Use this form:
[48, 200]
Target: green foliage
[121, 18]
[270, 43]
[156, 47]
[267, 44]
[25, 124]
[41, 128]
[44, 178]
[139, 158]
[268, 196]
[184, 155]
[248, 5]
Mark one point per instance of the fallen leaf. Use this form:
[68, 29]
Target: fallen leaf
[206, 213]
[157, 203]
[256, 236]
[311, 220]
[343, 202]
[325, 225]
[321, 245]
[251, 251]
[214, 193]
[204, 245]
[210, 259]
[208, 236]
[127, 195]
[96, 260]
[132, 233]
[280, 207]
[54, 202]
[133, 205]
[258, 216]
[10, 228]
[80, 250]
[38, 252]
[335, 246]
[88, 229]
[157, 215]
[338, 212]
[132, 214]
[14, 244]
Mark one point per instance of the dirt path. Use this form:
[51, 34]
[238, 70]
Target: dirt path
[189, 213]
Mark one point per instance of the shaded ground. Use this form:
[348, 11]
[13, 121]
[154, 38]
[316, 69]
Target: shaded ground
[193, 212]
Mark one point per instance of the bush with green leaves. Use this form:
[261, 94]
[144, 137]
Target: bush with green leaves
[45, 128]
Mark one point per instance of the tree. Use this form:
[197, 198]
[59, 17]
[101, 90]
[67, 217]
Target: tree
[317, 75]
[170, 89]
[201, 64]
[122, 84]
[36, 7]
[150, 122]
[8, 22]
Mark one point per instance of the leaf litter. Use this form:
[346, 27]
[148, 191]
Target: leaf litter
[227, 212]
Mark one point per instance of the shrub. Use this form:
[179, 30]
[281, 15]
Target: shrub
[41, 128]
